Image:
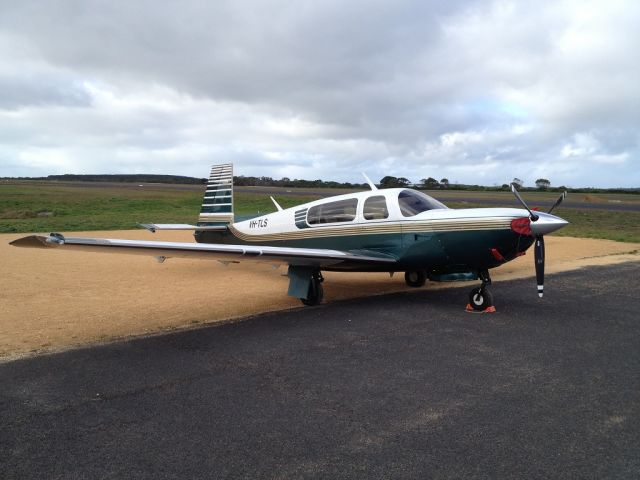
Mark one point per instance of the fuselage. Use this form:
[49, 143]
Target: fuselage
[415, 229]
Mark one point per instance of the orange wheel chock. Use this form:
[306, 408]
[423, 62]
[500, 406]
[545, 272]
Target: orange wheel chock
[490, 309]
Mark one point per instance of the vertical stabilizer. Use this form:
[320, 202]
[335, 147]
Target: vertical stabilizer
[217, 206]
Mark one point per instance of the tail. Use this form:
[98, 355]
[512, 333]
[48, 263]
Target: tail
[217, 205]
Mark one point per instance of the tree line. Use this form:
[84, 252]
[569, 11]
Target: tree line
[295, 183]
[541, 184]
[118, 178]
[389, 181]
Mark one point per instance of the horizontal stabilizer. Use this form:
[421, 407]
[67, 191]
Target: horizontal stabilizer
[152, 227]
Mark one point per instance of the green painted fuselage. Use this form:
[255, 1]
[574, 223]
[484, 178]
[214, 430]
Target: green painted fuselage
[438, 253]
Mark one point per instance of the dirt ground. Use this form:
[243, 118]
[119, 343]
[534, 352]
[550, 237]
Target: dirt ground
[53, 299]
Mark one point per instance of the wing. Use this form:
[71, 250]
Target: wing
[231, 253]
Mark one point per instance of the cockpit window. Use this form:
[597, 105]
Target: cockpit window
[340, 211]
[411, 203]
[375, 208]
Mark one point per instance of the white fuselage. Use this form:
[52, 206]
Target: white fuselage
[283, 223]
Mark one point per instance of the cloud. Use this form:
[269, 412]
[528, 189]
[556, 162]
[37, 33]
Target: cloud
[44, 90]
[588, 149]
[472, 91]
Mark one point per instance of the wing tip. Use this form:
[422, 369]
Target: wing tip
[31, 241]
[38, 241]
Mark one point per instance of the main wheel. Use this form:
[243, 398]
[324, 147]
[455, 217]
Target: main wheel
[415, 278]
[480, 298]
[315, 295]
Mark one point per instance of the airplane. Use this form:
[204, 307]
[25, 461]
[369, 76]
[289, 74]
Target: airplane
[378, 230]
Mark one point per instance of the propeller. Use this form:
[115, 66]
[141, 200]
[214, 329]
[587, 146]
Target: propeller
[562, 196]
[539, 238]
[539, 259]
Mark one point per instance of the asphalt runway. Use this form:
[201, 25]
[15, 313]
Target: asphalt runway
[399, 386]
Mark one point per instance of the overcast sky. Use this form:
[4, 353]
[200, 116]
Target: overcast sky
[476, 92]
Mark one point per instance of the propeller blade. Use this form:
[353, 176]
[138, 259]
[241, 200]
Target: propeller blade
[539, 259]
[559, 201]
[532, 215]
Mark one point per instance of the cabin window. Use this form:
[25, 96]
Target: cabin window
[412, 203]
[375, 208]
[340, 211]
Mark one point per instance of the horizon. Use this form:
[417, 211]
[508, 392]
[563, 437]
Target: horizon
[360, 183]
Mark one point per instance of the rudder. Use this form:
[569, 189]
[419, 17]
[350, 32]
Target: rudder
[217, 205]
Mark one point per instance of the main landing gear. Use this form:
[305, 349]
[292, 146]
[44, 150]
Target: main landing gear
[415, 278]
[480, 298]
[316, 292]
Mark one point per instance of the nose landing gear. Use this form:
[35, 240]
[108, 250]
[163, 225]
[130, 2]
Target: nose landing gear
[480, 298]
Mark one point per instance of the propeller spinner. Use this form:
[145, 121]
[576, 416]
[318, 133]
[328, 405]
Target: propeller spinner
[541, 223]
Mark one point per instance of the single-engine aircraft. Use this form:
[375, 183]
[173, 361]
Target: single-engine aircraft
[389, 230]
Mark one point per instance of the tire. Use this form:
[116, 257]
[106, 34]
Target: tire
[415, 278]
[480, 299]
[316, 294]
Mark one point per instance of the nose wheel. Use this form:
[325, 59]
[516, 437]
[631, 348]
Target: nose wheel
[480, 298]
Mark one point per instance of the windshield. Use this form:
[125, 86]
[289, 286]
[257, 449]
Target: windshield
[412, 202]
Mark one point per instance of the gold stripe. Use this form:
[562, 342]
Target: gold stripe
[322, 232]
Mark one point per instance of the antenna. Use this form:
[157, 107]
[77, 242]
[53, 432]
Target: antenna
[371, 184]
[276, 203]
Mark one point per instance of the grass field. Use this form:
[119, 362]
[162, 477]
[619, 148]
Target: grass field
[621, 226]
[63, 207]
[533, 197]
[47, 206]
